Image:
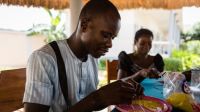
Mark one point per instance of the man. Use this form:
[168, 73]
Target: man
[99, 23]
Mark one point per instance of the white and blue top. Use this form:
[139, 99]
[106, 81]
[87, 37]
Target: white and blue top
[42, 82]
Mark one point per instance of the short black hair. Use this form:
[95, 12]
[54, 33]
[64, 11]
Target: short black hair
[143, 32]
[97, 7]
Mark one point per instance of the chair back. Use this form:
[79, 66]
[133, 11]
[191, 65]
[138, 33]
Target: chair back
[111, 69]
[12, 85]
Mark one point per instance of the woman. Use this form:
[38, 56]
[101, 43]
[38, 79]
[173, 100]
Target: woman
[140, 59]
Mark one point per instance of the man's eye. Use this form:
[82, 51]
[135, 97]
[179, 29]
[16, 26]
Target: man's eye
[106, 35]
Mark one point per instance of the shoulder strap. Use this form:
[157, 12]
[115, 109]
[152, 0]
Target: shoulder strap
[61, 72]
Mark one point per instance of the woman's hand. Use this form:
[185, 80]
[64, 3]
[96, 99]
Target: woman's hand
[153, 73]
[150, 73]
[144, 73]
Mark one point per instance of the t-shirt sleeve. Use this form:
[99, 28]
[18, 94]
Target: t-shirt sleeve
[39, 76]
[125, 62]
[159, 63]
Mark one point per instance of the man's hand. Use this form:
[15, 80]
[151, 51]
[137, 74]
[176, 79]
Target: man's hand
[119, 92]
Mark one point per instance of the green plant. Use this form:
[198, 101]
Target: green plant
[102, 64]
[191, 46]
[54, 31]
[189, 59]
[102, 82]
[173, 64]
[193, 34]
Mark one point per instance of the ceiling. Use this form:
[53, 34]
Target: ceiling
[121, 4]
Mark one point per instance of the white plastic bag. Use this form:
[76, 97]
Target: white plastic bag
[195, 85]
[173, 82]
[180, 94]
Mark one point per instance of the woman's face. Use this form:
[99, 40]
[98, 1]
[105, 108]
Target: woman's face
[143, 44]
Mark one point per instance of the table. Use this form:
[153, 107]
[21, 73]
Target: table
[152, 87]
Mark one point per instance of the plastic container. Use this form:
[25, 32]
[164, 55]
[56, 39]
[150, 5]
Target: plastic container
[173, 82]
[195, 85]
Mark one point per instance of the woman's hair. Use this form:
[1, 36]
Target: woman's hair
[142, 32]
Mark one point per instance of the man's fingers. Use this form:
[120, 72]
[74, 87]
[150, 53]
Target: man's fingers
[133, 83]
[140, 91]
[133, 87]
[137, 86]
[128, 89]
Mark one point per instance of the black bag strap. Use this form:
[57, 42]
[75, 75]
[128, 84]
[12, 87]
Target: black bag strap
[61, 72]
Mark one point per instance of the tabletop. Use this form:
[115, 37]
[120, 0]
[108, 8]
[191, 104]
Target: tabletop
[153, 88]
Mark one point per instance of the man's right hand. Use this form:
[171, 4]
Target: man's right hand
[119, 92]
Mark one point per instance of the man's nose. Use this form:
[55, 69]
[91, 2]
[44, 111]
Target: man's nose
[109, 43]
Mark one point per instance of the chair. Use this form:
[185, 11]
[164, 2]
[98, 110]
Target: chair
[111, 69]
[12, 85]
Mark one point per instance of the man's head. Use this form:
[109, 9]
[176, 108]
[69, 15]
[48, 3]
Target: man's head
[99, 23]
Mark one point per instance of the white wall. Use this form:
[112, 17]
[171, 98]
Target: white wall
[157, 20]
[15, 48]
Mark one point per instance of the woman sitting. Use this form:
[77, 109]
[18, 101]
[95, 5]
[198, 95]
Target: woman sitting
[140, 59]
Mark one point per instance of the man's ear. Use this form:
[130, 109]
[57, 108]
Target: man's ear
[84, 24]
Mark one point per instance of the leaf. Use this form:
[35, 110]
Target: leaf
[55, 21]
[52, 31]
[32, 33]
